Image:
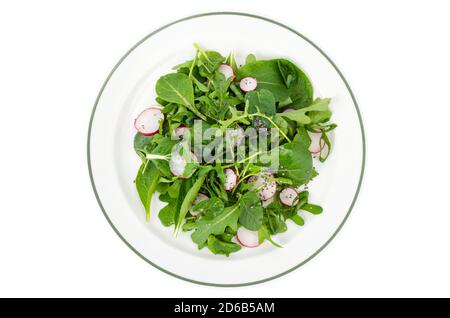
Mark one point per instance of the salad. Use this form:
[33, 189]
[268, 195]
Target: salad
[231, 149]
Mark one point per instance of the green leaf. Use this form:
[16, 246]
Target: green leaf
[212, 206]
[283, 78]
[142, 144]
[251, 211]
[288, 72]
[276, 225]
[312, 208]
[163, 147]
[295, 162]
[268, 76]
[217, 246]
[216, 224]
[301, 116]
[177, 88]
[298, 220]
[264, 234]
[232, 62]
[188, 199]
[167, 214]
[146, 182]
[251, 58]
[261, 101]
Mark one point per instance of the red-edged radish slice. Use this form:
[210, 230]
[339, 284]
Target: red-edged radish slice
[314, 148]
[247, 238]
[231, 179]
[200, 197]
[288, 110]
[226, 70]
[248, 84]
[147, 123]
[267, 188]
[181, 132]
[288, 196]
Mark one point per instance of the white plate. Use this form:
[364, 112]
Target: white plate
[113, 163]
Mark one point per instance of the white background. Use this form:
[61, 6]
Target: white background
[54, 57]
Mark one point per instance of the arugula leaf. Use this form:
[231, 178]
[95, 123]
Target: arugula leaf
[209, 61]
[146, 182]
[215, 224]
[212, 206]
[217, 246]
[177, 88]
[251, 211]
[301, 115]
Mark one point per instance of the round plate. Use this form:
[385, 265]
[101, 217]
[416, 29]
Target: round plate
[113, 163]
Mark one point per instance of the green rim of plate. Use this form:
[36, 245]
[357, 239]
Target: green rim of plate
[206, 283]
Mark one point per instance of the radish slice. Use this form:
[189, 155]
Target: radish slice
[267, 188]
[231, 179]
[200, 197]
[226, 70]
[314, 148]
[288, 110]
[247, 238]
[181, 132]
[248, 84]
[288, 196]
[147, 123]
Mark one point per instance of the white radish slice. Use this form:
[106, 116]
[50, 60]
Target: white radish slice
[248, 84]
[314, 148]
[288, 196]
[267, 188]
[231, 179]
[181, 132]
[247, 238]
[226, 70]
[147, 123]
[288, 110]
[200, 197]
